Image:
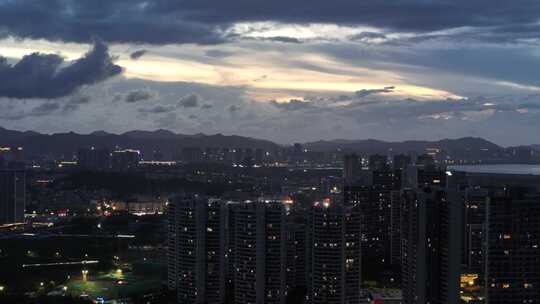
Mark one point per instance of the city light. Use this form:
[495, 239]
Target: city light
[325, 152]
[84, 275]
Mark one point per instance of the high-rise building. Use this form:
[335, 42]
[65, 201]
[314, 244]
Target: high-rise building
[395, 227]
[401, 161]
[474, 215]
[502, 230]
[333, 254]
[12, 196]
[424, 175]
[125, 159]
[378, 162]
[192, 155]
[375, 206]
[260, 249]
[378, 199]
[12, 157]
[197, 270]
[259, 156]
[296, 254]
[431, 245]
[351, 167]
[512, 270]
[172, 261]
[93, 159]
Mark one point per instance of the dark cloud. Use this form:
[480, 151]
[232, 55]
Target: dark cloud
[291, 105]
[218, 53]
[80, 99]
[206, 106]
[139, 95]
[75, 102]
[366, 92]
[137, 54]
[70, 107]
[43, 109]
[44, 75]
[157, 109]
[170, 120]
[283, 39]
[206, 21]
[189, 101]
[233, 108]
[367, 36]
[119, 21]
[401, 16]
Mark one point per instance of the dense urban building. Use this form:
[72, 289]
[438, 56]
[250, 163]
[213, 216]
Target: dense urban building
[375, 206]
[512, 240]
[296, 254]
[376, 193]
[431, 245]
[198, 252]
[125, 159]
[93, 159]
[352, 165]
[214, 245]
[401, 161]
[502, 231]
[12, 196]
[334, 255]
[473, 238]
[378, 162]
[260, 252]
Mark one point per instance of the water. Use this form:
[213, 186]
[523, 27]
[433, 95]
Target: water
[499, 169]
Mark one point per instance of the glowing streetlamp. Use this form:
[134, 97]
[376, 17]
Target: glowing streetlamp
[85, 274]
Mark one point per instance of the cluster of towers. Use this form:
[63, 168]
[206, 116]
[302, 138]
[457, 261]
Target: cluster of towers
[259, 251]
[435, 225]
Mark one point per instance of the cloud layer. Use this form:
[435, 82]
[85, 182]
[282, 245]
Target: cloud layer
[208, 21]
[45, 75]
[281, 70]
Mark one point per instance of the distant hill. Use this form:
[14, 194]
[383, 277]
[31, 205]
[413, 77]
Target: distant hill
[167, 142]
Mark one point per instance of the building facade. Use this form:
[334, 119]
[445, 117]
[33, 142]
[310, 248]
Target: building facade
[197, 264]
[431, 246]
[334, 255]
[12, 196]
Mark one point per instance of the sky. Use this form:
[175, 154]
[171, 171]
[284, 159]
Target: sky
[287, 71]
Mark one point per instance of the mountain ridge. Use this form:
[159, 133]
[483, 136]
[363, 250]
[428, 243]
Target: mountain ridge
[170, 143]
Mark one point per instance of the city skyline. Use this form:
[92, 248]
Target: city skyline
[279, 71]
[269, 152]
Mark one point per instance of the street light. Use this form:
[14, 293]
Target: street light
[85, 274]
